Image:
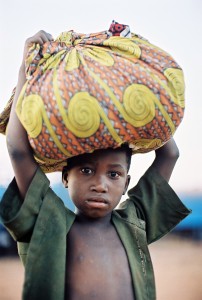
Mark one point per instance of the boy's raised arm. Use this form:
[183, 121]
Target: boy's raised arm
[20, 152]
[166, 158]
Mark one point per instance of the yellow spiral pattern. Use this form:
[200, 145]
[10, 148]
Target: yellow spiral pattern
[176, 84]
[83, 105]
[32, 115]
[139, 104]
[83, 116]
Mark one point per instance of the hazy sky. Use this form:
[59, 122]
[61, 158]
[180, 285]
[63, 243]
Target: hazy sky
[173, 25]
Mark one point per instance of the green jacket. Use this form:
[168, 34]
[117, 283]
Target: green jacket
[41, 223]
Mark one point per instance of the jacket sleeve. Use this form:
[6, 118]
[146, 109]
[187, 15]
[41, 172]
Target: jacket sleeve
[157, 205]
[19, 216]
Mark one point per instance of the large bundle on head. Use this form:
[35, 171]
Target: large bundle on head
[86, 92]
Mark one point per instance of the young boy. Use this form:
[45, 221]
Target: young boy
[98, 252]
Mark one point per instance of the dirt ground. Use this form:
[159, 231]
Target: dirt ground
[178, 269]
[177, 264]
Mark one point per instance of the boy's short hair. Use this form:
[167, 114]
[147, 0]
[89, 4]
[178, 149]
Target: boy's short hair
[128, 151]
[76, 160]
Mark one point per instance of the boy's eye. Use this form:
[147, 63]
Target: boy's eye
[114, 174]
[86, 170]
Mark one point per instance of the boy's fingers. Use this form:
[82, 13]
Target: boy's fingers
[50, 37]
[45, 36]
[40, 37]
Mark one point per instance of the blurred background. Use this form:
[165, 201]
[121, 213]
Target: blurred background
[175, 26]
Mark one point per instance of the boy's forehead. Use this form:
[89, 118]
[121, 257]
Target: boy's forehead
[114, 156]
[110, 156]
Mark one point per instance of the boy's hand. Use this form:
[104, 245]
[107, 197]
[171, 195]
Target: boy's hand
[40, 37]
[166, 157]
[20, 151]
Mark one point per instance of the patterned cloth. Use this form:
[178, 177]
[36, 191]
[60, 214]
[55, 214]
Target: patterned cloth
[99, 90]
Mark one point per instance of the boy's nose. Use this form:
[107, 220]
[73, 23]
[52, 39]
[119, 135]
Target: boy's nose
[99, 185]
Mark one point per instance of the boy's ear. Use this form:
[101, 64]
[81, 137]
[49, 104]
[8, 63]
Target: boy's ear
[65, 178]
[127, 184]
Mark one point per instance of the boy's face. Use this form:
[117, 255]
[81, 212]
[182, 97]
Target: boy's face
[97, 183]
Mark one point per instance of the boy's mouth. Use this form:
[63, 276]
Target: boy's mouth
[97, 202]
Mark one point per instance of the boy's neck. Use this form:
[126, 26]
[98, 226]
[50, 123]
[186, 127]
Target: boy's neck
[95, 222]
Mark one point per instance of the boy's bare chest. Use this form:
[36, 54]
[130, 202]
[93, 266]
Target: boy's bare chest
[97, 266]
